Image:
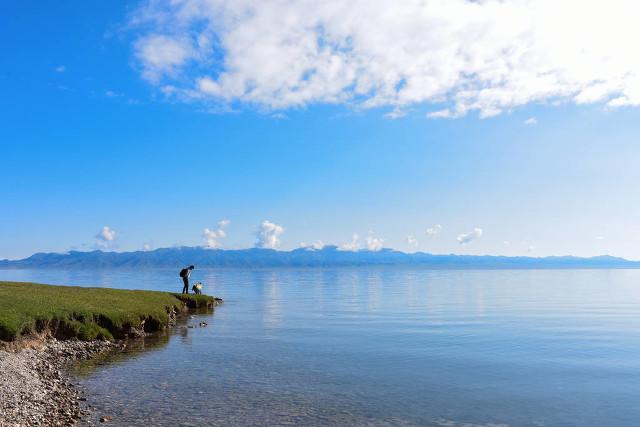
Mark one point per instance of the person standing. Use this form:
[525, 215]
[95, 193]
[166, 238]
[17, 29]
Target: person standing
[185, 273]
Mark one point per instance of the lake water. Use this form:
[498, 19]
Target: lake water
[381, 346]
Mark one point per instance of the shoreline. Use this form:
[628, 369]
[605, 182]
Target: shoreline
[36, 388]
[44, 329]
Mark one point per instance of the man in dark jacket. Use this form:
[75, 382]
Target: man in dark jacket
[185, 273]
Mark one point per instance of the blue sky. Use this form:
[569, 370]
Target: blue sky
[98, 129]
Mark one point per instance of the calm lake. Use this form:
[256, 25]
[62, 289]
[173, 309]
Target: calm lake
[379, 346]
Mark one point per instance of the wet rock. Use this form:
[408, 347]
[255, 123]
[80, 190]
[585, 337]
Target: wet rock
[136, 332]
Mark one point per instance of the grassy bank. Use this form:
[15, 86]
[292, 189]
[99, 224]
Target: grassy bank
[87, 313]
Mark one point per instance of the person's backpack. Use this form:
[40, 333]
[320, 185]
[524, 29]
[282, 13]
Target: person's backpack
[183, 273]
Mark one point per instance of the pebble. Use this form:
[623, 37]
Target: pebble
[34, 389]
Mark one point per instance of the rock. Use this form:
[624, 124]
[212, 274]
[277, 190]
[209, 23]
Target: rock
[136, 332]
[33, 387]
[106, 418]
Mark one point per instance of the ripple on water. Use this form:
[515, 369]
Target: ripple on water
[381, 346]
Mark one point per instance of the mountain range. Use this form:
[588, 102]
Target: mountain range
[329, 256]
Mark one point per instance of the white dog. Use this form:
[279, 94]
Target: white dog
[197, 288]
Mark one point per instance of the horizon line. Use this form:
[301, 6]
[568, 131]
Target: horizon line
[312, 249]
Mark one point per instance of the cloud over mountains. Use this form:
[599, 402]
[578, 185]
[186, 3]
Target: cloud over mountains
[212, 237]
[105, 237]
[469, 237]
[268, 235]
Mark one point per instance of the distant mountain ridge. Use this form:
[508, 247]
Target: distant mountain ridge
[329, 256]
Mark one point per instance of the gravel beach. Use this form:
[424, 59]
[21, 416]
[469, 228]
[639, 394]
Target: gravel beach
[34, 389]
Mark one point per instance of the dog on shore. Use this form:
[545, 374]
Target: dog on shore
[197, 288]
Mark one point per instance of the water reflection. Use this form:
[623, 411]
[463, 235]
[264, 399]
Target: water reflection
[152, 342]
[272, 316]
[134, 348]
[383, 346]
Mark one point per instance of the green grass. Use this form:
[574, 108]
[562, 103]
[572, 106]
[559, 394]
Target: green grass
[195, 301]
[86, 313]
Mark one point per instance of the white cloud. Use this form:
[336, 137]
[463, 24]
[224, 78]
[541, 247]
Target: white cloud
[599, 237]
[374, 243]
[268, 235]
[432, 231]
[443, 114]
[162, 55]
[531, 121]
[412, 241]
[317, 245]
[61, 69]
[105, 237]
[396, 113]
[147, 247]
[353, 245]
[488, 56]
[107, 234]
[531, 248]
[465, 238]
[212, 237]
[112, 94]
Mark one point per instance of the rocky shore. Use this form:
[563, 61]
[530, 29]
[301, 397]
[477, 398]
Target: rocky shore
[34, 389]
